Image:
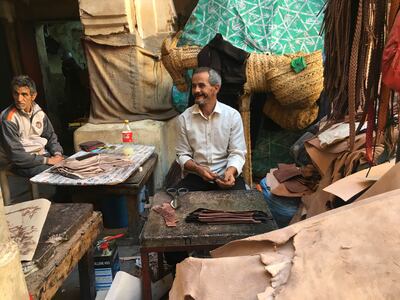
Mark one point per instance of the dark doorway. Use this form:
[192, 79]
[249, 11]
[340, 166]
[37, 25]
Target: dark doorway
[5, 72]
[65, 76]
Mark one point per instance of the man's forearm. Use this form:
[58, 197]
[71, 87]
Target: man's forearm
[192, 166]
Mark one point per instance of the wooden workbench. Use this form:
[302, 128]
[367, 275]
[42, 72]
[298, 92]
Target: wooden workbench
[130, 188]
[157, 237]
[78, 226]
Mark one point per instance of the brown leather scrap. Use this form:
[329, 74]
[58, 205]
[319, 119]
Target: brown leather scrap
[167, 212]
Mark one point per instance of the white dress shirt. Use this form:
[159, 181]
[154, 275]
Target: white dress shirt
[217, 141]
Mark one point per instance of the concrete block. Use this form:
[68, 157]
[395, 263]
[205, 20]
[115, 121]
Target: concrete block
[161, 134]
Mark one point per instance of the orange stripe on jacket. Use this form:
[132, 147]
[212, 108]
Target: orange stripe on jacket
[10, 114]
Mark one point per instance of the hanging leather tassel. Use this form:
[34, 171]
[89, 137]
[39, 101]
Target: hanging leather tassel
[385, 91]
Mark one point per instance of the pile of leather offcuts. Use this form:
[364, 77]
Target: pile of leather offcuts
[334, 161]
[290, 181]
[92, 166]
[283, 188]
[209, 216]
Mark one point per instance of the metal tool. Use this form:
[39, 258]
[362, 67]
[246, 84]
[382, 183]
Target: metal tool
[103, 244]
[175, 194]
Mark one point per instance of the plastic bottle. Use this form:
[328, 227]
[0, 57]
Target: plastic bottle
[127, 134]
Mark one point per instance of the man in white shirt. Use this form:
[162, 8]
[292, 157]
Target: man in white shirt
[211, 146]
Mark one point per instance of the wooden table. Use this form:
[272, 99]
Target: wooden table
[77, 223]
[157, 237]
[131, 187]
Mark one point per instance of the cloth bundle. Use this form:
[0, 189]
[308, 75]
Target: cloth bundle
[209, 216]
[91, 166]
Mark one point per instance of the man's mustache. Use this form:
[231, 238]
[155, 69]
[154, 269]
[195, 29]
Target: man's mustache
[199, 94]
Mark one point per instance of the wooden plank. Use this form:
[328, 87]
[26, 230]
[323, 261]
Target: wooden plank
[44, 283]
[58, 228]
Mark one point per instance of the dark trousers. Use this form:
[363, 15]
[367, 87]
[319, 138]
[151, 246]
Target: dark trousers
[62, 193]
[195, 183]
[29, 172]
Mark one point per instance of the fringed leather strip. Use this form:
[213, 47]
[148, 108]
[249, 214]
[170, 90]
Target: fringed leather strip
[353, 76]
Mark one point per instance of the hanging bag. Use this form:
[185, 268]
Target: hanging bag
[391, 58]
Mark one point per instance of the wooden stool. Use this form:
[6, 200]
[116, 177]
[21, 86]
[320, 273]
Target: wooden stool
[5, 188]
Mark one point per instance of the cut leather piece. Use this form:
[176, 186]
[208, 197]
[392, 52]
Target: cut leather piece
[281, 190]
[286, 172]
[353, 184]
[388, 182]
[167, 212]
[294, 186]
[321, 160]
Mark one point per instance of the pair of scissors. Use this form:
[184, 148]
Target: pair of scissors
[175, 193]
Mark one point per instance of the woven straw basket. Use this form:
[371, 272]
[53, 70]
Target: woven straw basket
[290, 118]
[178, 59]
[298, 89]
[257, 67]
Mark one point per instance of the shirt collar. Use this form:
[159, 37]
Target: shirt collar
[35, 108]
[217, 109]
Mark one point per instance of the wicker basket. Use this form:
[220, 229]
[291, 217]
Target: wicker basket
[297, 89]
[257, 67]
[288, 117]
[178, 59]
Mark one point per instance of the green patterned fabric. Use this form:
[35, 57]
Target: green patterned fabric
[275, 26]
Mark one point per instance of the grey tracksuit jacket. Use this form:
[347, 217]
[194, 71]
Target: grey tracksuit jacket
[27, 138]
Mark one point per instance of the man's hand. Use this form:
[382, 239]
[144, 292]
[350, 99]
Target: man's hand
[203, 171]
[55, 159]
[206, 174]
[229, 178]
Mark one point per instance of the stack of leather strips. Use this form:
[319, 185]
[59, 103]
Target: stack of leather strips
[208, 216]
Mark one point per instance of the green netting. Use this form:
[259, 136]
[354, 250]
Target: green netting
[272, 147]
[276, 26]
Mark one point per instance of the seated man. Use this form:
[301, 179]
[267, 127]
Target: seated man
[27, 137]
[211, 144]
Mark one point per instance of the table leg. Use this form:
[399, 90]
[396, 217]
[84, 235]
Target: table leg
[134, 225]
[86, 276]
[150, 185]
[146, 277]
[161, 271]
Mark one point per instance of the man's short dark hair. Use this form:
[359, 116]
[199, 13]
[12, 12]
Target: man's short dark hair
[23, 81]
[214, 78]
